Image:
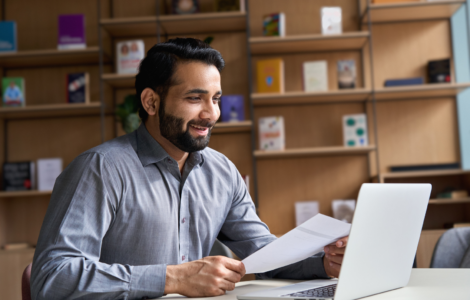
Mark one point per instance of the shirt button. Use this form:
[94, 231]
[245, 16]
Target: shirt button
[182, 258]
[184, 220]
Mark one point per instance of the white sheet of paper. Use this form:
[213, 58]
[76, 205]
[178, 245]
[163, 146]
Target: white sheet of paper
[305, 210]
[298, 244]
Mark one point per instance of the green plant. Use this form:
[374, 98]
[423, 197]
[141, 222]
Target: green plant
[127, 114]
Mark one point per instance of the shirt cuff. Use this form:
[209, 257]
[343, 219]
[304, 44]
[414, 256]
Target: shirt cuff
[147, 282]
[314, 268]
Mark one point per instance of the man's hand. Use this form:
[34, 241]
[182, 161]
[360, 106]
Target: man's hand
[209, 276]
[334, 255]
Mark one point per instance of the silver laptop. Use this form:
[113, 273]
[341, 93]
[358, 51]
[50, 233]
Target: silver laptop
[382, 245]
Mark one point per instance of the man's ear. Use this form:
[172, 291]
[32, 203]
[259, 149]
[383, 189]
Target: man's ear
[150, 101]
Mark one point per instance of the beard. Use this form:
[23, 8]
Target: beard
[171, 128]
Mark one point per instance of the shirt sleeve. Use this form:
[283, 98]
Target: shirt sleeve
[244, 233]
[66, 262]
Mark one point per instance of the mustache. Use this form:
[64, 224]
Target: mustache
[201, 123]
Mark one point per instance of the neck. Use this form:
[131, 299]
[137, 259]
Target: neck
[177, 154]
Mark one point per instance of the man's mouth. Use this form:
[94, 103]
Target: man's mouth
[201, 130]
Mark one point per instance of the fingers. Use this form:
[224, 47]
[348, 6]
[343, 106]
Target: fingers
[342, 242]
[226, 285]
[235, 265]
[334, 269]
[334, 250]
[338, 259]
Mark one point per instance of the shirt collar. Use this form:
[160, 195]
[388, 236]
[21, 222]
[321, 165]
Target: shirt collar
[150, 151]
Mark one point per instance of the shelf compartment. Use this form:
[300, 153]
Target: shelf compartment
[51, 57]
[48, 110]
[421, 91]
[23, 194]
[308, 43]
[413, 11]
[288, 98]
[177, 24]
[315, 151]
[449, 201]
[232, 127]
[416, 174]
[119, 80]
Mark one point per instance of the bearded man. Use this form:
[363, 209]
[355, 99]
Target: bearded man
[136, 217]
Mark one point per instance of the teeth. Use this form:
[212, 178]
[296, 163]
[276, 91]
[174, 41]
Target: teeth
[198, 127]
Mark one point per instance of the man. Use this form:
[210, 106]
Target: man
[137, 216]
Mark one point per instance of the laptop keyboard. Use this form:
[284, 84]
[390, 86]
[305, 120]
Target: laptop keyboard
[324, 291]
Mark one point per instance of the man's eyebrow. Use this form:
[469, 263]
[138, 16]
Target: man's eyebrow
[201, 91]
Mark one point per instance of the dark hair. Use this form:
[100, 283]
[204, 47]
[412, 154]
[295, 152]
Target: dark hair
[157, 68]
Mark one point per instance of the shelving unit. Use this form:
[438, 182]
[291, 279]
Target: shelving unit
[232, 127]
[18, 194]
[119, 80]
[289, 98]
[50, 110]
[426, 91]
[316, 151]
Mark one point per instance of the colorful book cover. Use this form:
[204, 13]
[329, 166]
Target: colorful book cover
[331, 20]
[78, 88]
[274, 24]
[315, 75]
[355, 133]
[71, 32]
[13, 91]
[184, 7]
[346, 74]
[233, 108]
[18, 176]
[272, 133]
[129, 55]
[8, 36]
[270, 75]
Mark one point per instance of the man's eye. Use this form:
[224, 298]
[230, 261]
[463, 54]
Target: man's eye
[194, 98]
[216, 99]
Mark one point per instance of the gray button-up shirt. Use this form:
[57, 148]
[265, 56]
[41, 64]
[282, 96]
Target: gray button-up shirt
[121, 212]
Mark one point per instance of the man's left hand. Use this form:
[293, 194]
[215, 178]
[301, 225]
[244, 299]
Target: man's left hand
[334, 254]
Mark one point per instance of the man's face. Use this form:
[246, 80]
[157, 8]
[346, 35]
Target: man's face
[190, 109]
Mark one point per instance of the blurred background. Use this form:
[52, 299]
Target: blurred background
[320, 96]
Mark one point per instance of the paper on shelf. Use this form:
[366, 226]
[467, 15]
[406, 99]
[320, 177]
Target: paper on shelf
[298, 244]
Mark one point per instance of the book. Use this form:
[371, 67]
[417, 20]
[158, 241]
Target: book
[270, 75]
[274, 24]
[232, 108]
[13, 91]
[346, 74]
[315, 75]
[439, 71]
[402, 82]
[331, 20]
[48, 171]
[427, 167]
[355, 130]
[16, 246]
[343, 210]
[71, 32]
[304, 210]
[183, 7]
[19, 176]
[456, 194]
[271, 133]
[129, 55]
[8, 40]
[78, 88]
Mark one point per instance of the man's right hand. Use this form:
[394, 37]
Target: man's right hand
[209, 276]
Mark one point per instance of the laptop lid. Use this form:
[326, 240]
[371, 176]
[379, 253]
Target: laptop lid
[383, 239]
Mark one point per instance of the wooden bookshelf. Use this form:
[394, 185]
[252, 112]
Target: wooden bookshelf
[425, 91]
[119, 80]
[22, 194]
[314, 151]
[288, 98]
[308, 43]
[449, 201]
[418, 174]
[232, 127]
[176, 24]
[413, 11]
[49, 110]
[51, 57]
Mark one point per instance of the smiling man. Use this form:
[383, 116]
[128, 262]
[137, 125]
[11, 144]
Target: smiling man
[136, 217]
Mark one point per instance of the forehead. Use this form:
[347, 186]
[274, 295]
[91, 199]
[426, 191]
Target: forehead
[196, 73]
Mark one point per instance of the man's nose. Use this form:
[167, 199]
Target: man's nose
[210, 111]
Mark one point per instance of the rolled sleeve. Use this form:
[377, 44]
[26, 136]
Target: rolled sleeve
[147, 281]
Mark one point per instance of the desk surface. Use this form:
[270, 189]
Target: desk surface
[424, 284]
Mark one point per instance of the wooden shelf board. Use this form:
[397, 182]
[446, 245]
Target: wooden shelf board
[449, 201]
[412, 11]
[19, 251]
[346, 95]
[23, 194]
[119, 80]
[423, 174]
[315, 151]
[50, 57]
[421, 91]
[177, 24]
[46, 110]
[231, 127]
[308, 43]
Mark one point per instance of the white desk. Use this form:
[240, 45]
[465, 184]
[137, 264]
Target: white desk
[424, 284]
